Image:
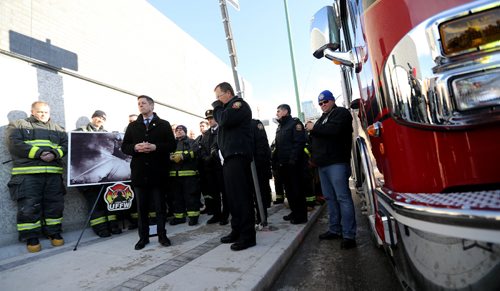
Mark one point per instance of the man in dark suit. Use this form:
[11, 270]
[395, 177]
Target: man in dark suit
[149, 140]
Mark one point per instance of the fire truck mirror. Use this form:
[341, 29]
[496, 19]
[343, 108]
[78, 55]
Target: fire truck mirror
[325, 32]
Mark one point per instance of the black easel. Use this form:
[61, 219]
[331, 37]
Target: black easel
[90, 214]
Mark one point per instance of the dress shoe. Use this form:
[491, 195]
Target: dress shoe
[288, 217]
[33, 245]
[164, 241]
[176, 221]
[298, 221]
[329, 235]
[141, 244]
[103, 233]
[230, 238]
[193, 220]
[348, 243]
[223, 221]
[56, 240]
[213, 219]
[238, 246]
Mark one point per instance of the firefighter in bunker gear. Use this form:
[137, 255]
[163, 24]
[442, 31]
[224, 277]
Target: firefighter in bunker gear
[185, 182]
[103, 222]
[37, 146]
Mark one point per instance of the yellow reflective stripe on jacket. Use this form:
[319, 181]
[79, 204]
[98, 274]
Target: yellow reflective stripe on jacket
[183, 173]
[98, 220]
[53, 221]
[191, 153]
[29, 226]
[32, 152]
[42, 143]
[112, 217]
[37, 143]
[37, 170]
[308, 153]
[60, 151]
[152, 214]
[193, 213]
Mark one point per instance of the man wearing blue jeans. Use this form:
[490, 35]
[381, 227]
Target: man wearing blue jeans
[331, 139]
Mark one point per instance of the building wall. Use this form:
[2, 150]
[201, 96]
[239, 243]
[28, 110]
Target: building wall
[83, 55]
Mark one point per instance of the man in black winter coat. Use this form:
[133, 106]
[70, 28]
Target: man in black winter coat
[235, 142]
[212, 169]
[289, 156]
[149, 140]
[262, 158]
[331, 139]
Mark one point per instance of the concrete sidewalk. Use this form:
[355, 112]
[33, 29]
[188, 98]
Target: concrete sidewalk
[195, 261]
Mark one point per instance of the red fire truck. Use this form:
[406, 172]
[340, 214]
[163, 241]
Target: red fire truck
[423, 82]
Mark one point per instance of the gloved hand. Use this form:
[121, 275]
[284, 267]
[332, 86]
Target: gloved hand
[176, 158]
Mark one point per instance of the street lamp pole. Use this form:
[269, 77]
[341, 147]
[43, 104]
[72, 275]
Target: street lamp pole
[297, 98]
[230, 45]
[232, 56]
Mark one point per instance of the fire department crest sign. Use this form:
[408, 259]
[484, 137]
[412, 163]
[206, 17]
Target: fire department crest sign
[119, 197]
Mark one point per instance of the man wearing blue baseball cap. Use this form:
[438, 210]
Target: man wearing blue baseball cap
[331, 151]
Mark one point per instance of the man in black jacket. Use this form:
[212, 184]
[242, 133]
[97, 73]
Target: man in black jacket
[262, 159]
[331, 139]
[289, 156]
[212, 168]
[149, 140]
[235, 142]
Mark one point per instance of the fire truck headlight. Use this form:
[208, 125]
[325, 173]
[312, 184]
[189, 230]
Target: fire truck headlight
[478, 90]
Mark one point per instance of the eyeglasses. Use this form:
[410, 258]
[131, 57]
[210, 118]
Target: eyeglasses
[221, 94]
[321, 103]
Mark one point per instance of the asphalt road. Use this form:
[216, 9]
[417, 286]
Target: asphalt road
[322, 265]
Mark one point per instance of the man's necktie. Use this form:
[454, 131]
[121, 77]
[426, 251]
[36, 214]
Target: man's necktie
[146, 122]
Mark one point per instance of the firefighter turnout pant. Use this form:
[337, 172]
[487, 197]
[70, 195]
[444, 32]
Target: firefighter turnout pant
[186, 195]
[40, 204]
[101, 219]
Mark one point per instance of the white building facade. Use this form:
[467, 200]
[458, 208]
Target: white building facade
[83, 55]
